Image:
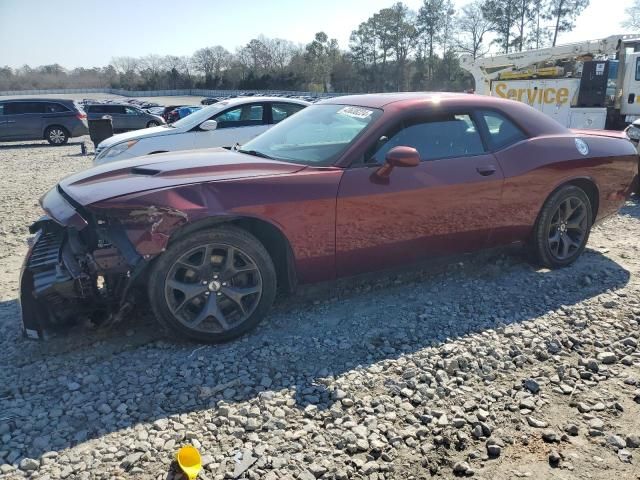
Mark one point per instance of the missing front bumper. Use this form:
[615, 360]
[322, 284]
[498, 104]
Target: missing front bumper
[53, 290]
[65, 282]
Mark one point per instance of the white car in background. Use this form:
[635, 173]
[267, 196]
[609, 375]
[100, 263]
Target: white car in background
[223, 124]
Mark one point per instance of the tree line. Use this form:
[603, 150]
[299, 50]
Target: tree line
[395, 49]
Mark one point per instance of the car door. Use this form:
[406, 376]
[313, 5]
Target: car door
[94, 112]
[237, 124]
[118, 116]
[4, 126]
[24, 120]
[448, 204]
[134, 119]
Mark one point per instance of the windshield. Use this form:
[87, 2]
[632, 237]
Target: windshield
[317, 135]
[201, 115]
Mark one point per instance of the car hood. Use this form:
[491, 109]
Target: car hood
[165, 170]
[138, 135]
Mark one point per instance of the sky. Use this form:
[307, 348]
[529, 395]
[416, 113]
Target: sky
[87, 33]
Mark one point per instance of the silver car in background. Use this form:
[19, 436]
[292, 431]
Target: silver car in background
[124, 117]
[55, 120]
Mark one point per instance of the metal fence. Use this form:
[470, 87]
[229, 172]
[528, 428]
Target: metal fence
[164, 93]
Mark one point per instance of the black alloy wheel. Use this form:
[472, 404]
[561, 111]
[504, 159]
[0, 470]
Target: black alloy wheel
[562, 230]
[568, 228]
[213, 288]
[212, 285]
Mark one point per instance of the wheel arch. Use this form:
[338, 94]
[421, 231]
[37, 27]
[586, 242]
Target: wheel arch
[587, 184]
[52, 125]
[272, 238]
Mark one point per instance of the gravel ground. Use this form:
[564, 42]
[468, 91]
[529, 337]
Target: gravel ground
[487, 368]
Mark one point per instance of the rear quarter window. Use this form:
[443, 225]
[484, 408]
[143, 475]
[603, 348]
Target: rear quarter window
[55, 108]
[502, 131]
[280, 111]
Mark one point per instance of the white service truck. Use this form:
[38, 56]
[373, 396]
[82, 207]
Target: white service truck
[587, 85]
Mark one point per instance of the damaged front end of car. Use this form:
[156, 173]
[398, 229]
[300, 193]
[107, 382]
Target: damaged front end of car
[83, 265]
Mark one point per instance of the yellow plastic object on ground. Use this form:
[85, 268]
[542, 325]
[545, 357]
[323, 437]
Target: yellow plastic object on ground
[189, 461]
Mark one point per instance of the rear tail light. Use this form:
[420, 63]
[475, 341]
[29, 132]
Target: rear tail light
[81, 115]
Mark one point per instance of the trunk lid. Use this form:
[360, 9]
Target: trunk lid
[600, 133]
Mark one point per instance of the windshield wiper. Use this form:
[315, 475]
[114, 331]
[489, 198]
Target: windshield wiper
[255, 153]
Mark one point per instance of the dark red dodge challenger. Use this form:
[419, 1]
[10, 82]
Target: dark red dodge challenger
[348, 185]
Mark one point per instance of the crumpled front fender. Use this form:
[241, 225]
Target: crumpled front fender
[150, 218]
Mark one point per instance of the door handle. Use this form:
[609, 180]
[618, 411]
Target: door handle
[486, 170]
[10, 121]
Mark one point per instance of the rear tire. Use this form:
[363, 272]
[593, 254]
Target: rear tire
[212, 285]
[56, 135]
[152, 123]
[562, 230]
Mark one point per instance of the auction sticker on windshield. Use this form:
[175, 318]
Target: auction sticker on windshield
[356, 112]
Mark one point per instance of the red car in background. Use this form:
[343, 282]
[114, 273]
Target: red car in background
[348, 185]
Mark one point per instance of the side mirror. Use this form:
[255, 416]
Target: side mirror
[403, 157]
[209, 125]
[398, 157]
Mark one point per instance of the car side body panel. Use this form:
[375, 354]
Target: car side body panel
[440, 207]
[338, 220]
[534, 168]
[303, 210]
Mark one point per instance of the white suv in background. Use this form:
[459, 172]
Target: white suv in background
[222, 124]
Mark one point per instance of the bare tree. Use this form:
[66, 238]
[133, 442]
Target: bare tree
[280, 52]
[126, 65]
[633, 16]
[211, 61]
[473, 26]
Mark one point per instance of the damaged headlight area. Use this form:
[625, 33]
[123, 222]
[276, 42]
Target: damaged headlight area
[73, 275]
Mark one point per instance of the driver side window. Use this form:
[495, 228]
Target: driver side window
[438, 137]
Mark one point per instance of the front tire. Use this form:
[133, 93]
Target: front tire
[152, 123]
[213, 285]
[56, 135]
[563, 227]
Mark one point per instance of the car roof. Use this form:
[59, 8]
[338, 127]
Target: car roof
[379, 100]
[255, 99]
[534, 122]
[110, 105]
[29, 99]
